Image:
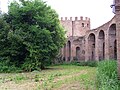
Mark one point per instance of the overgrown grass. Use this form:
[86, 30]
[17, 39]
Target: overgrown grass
[107, 77]
[53, 78]
[83, 63]
[76, 75]
[6, 67]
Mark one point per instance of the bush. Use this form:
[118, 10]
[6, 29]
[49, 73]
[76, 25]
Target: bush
[30, 35]
[88, 63]
[83, 63]
[107, 77]
[5, 67]
[31, 65]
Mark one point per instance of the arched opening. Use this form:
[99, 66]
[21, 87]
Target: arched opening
[69, 50]
[64, 52]
[91, 46]
[112, 42]
[78, 53]
[101, 46]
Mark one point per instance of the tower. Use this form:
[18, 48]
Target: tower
[75, 26]
[76, 29]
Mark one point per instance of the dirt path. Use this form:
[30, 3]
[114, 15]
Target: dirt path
[14, 86]
[72, 86]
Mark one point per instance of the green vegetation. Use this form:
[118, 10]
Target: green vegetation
[69, 77]
[30, 39]
[87, 63]
[107, 77]
[30, 36]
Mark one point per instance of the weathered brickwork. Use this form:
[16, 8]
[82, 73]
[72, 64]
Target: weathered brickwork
[76, 29]
[76, 26]
[117, 12]
[84, 44]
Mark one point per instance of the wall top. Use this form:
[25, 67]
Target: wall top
[75, 18]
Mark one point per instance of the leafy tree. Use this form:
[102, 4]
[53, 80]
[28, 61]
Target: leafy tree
[35, 35]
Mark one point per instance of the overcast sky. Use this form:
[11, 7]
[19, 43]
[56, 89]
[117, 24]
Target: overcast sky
[98, 11]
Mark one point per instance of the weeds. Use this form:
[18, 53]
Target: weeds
[36, 78]
[19, 78]
[83, 63]
[107, 78]
[52, 78]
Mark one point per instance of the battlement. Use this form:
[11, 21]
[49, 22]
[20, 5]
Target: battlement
[75, 18]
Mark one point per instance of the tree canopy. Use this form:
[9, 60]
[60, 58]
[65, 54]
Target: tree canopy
[32, 35]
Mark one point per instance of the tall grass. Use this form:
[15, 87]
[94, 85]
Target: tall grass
[107, 78]
[83, 63]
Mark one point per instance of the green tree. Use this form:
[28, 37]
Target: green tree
[35, 35]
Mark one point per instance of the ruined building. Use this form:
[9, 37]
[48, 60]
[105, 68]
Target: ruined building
[84, 44]
[76, 29]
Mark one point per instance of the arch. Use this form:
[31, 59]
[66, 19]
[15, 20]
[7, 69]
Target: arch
[69, 50]
[91, 46]
[101, 46]
[78, 53]
[112, 41]
[64, 52]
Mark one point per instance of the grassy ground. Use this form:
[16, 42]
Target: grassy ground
[62, 77]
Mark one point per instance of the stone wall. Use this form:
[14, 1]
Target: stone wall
[86, 44]
[75, 26]
[96, 44]
[117, 12]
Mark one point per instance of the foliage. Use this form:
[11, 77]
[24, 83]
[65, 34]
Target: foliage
[5, 67]
[88, 63]
[83, 63]
[107, 77]
[31, 35]
[30, 65]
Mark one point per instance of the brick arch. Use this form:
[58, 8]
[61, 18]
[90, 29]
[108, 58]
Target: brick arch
[69, 50]
[91, 46]
[101, 34]
[91, 36]
[101, 45]
[111, 41]
[78, 53]
[64, 52]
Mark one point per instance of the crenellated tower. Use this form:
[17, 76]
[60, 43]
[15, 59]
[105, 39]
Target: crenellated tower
[76, 26]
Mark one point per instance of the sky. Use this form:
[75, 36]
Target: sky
[98, 11]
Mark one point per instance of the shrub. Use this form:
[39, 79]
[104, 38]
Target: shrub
[83, 63]
[30, 30]
[31, 65]
[5, 67]
[88, 63]
[107, 75]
